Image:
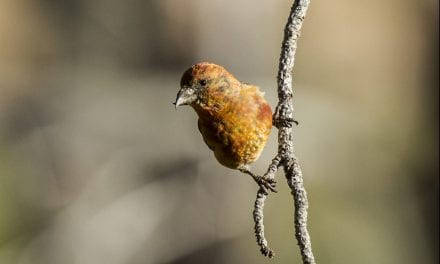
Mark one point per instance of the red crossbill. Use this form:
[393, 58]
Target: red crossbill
[234, 118]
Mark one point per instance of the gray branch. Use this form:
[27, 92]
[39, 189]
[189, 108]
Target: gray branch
[283, 120]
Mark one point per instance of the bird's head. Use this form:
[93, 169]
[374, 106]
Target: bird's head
[197, 82]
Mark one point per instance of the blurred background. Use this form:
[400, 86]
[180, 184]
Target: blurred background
[96, 166]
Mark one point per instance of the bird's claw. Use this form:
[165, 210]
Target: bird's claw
[284, 122]
[266, 184]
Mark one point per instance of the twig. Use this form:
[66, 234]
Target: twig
[283, 120]
[258, 211]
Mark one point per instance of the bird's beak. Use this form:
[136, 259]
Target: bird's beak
[185, 96]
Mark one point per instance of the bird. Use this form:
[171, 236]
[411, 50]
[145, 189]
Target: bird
[233, 117]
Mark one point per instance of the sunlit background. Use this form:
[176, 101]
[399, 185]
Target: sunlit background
[96, 166]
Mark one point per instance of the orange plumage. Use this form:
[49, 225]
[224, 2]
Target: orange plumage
[234, 118]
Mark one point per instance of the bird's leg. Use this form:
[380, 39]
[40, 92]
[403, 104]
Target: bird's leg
[266, 184]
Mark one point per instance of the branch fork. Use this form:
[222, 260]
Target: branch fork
[283, 120]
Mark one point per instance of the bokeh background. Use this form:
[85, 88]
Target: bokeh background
[96, 166]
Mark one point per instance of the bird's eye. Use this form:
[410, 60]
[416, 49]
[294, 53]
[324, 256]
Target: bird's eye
[203, 82]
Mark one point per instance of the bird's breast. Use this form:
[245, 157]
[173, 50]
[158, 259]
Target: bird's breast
[238, 132]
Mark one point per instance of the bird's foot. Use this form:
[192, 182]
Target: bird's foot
[266, 184]
[284, 122]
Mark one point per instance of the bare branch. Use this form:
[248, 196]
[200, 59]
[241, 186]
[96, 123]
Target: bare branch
[273, 167]
[259, 226]
[258, 210]
[283, 120]
[295, 180]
